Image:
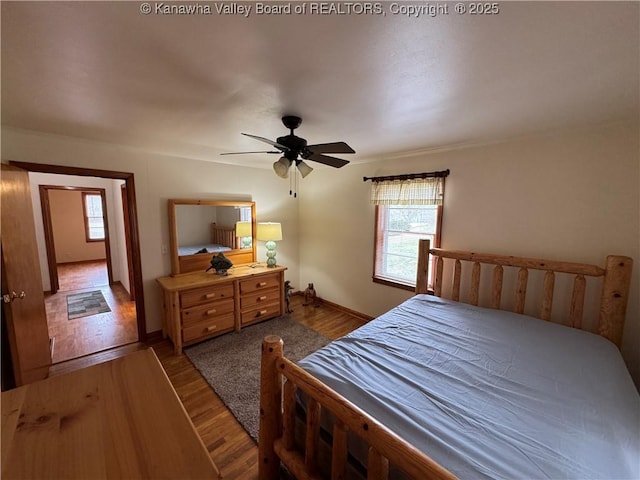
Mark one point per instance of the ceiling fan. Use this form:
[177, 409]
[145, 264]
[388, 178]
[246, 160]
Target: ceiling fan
[294, 150]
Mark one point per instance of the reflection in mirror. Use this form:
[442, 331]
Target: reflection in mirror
[243, 232]
[211, 229]
[200, 229]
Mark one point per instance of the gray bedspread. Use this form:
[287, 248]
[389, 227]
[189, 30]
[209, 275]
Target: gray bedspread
[491, 394]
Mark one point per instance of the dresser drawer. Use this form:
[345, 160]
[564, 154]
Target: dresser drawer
[262, 282]
[209, 327]
[259, 298]
[199, 296]
[259, 314]
[203, 312]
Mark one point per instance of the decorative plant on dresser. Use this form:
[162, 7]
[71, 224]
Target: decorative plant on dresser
[200, 304]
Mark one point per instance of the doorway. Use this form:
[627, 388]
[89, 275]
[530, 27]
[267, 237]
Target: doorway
[77, 330]
[80, 262]
[76, 230]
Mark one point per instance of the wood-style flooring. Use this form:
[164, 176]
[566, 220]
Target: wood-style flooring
[81, 275]
[91, 334]
[230, 447]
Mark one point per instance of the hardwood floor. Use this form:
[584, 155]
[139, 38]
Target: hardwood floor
[80, 275]
[232, 449]
[94, 333]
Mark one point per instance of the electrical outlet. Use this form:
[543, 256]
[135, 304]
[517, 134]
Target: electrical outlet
[164, 249]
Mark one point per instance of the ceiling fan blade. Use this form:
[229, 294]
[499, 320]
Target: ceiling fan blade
[242, 153]
[325, 159]
[266, 140]
[335, 147]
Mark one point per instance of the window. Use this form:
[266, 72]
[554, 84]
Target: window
[93, 216]
[407, 210]
[399, 227]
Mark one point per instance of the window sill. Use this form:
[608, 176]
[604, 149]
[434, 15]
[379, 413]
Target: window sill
[394, 283]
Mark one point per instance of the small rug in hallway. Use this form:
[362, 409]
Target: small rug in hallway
[85, 304]
[231, 363]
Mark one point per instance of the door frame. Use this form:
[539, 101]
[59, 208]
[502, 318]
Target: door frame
[127, 240]
[133, 222]
[48, 230]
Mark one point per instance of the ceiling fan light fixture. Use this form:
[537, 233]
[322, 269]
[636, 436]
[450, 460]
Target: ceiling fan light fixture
[281, 167]
[303, 168]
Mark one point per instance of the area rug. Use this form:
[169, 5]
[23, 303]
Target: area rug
[231, 363]
[85, 304]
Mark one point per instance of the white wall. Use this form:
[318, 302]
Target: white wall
[114, 215]
[570, 195]
[116, 235]
[193, 223]
[158, 178]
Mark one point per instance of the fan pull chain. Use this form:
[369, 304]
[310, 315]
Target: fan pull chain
[293, 183]
[290, 182]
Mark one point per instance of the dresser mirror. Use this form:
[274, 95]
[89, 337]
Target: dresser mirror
[200, 229]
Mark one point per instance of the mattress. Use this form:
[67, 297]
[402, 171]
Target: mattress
[193, 249]
[491, 394]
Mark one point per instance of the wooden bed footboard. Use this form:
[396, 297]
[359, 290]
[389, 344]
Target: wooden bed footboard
[280, 378]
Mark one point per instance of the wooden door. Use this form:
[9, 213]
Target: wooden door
[22, 290]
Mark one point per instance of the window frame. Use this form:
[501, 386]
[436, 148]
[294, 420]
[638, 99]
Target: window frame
[381, 210]
[86, 217]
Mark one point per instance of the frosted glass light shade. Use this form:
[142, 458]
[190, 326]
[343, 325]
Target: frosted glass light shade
[243, 229]
[269, 231]
[281, 167]
[304, 169]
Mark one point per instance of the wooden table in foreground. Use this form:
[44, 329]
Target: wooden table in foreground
[119, 419]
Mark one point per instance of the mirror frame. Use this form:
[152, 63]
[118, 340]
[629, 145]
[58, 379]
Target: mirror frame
[199, 262]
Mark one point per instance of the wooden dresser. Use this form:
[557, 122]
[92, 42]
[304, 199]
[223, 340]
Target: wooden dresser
[118, 419]
[201, 305]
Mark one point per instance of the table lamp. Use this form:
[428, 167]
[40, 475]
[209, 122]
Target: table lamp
[243, 230]
[270, 232]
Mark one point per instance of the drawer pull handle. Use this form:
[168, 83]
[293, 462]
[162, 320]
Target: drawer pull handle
[209, 295]
[260, 313]
[211, 328]
[211, 312]
[262, 284]
[263, 297]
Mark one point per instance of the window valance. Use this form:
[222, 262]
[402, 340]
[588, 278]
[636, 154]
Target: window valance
[415, 189]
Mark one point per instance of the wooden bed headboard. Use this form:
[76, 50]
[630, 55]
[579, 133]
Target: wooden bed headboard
[225, 236]
[616, 279]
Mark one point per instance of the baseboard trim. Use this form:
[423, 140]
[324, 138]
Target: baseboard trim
[346, 310]
[340, 308]
[153, 337]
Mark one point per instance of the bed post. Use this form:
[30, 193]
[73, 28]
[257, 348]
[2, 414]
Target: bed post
[270, 408]
[615, 293]
[422, 276]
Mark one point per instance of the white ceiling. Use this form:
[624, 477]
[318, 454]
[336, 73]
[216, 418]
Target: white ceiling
[386, 84]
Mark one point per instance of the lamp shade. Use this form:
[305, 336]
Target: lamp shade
[269, 231]
[243, 229]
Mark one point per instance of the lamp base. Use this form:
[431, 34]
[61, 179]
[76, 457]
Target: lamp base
[271, 253]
